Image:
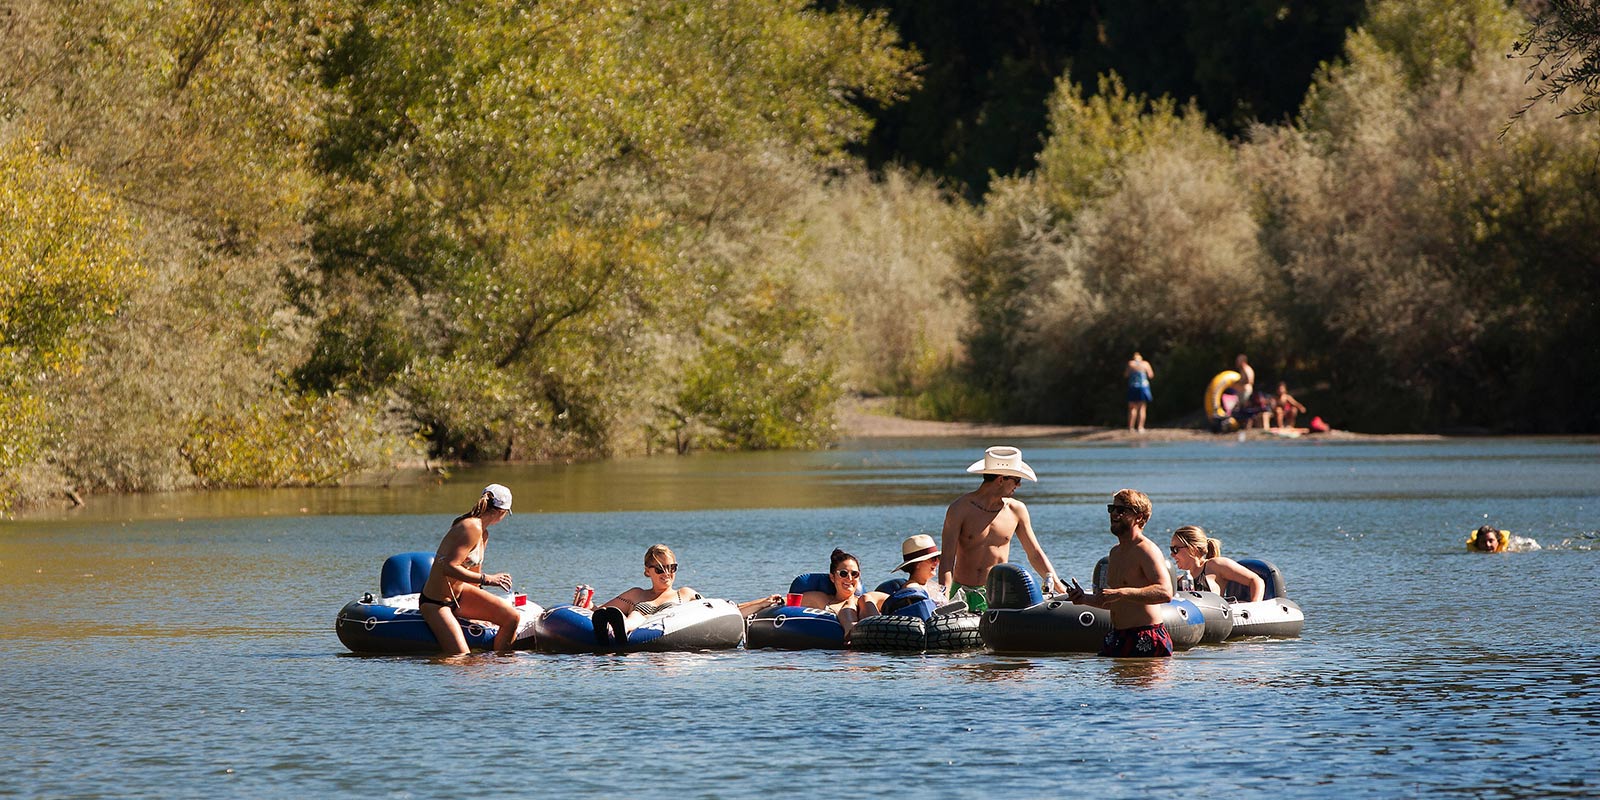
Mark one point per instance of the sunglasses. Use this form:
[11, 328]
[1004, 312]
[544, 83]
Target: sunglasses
[662, 569]
[1120, 509]
[1178, 548]
[846, 573]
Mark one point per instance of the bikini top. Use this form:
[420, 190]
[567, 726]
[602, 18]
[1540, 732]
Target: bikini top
[650, 609]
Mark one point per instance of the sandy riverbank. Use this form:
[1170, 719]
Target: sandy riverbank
[872, 418]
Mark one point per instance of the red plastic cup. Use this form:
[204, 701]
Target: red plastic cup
[793, 599]
[519, 599]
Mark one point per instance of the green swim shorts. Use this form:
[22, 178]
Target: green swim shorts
[976, 597]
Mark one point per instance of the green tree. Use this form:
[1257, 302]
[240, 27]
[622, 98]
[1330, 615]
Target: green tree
[509, 191]
[70, 255]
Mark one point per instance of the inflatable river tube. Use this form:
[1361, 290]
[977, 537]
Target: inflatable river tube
[911, 622]
[901, 633]
[703, 624]
[798, 627]
[1219, 413]
[794, 628]
[1274, 615]
[1021, 620]
[391, 624]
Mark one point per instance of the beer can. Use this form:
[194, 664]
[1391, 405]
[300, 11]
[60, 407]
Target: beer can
[588, 597]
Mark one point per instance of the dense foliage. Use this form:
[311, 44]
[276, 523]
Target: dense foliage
[284, 242]
[1386, 255]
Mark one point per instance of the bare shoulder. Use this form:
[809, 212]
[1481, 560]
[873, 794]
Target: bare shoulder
[1146, 551]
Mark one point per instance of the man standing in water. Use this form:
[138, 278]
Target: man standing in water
[1137, 584]
[979, 526]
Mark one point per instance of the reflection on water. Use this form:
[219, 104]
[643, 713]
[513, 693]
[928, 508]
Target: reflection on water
[1139, 673]
[187, 640]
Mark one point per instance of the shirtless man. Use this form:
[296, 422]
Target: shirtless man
[1137, 584]
[979, 526]
[1245, 386]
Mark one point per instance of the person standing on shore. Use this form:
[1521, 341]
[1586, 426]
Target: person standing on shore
[1139, 373]
[1137, 583]
[1245, 386]
[979, 527]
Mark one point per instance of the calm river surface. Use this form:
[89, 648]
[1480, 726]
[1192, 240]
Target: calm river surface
[183, 645]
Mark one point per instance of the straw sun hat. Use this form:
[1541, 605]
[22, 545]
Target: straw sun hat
[917, 548]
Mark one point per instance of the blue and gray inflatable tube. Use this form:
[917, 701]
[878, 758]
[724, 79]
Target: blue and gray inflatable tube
[392, 624]
[703, 624]
[797, 627]
[1021, 620]
[1274, 615]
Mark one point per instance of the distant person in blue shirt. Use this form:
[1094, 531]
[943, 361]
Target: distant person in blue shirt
[1138, 372]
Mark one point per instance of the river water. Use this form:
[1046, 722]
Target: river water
[183, 645]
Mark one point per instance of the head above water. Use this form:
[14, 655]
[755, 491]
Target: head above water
[840, 561]
[917, 549]
[1489, 539]
[1195, 538]
[661, 560]
[495, 498]
[1131, 502]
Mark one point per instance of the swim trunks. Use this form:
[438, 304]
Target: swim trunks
[1150, 641]
[976, 597]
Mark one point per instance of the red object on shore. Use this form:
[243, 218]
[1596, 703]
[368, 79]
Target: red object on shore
[1318, 426]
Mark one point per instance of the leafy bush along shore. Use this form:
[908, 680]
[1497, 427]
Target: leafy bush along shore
[281, 243]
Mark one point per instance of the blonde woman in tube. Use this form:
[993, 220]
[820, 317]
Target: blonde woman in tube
[615, 618]
[455, 588]
[1201, 556]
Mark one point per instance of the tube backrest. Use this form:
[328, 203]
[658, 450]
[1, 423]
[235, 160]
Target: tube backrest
[1269, 575]
[405, 573]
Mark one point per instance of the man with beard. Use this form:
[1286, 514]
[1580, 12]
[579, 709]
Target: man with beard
[1137, 584]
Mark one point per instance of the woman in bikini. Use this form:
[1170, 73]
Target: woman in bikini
[1202, 557]
[844, 572]
[621, 614]
[455, 588]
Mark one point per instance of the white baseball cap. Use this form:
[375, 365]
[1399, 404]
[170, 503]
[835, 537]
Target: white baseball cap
[499, 496]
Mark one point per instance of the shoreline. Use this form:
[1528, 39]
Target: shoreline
[870, 418]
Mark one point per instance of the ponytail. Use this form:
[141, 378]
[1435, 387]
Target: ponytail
[478, 509]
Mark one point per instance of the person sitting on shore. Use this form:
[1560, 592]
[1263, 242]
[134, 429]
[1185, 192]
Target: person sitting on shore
[1200, 556]
[844, 575]
[1285, 408]
[621, 614]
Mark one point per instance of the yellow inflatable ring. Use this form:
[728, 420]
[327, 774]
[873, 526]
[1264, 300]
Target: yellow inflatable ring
[1224, 379]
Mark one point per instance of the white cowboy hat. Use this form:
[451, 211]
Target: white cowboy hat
[1003, 461]
[917, 548]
